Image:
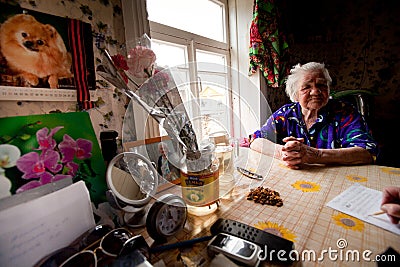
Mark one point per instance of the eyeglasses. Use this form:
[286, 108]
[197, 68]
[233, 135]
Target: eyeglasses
[111, 244]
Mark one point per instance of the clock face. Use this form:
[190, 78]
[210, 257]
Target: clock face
[166, 217]
[170, 219]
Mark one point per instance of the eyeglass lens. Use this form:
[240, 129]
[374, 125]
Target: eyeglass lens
[113, 242]
[95, 235]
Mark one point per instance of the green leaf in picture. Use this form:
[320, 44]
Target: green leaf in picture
[25, 137]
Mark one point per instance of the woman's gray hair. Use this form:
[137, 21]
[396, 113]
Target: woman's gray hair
[298, 72]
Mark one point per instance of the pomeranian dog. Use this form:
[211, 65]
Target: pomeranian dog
[34, 50]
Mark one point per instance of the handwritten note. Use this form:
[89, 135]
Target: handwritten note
[360, 201]
[34, 229]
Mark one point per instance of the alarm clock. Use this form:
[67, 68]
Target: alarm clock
[166, 217]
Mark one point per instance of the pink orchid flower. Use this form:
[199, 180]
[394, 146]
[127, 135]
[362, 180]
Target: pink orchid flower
[46, 164]
[34, 165]
[69, 148]
[141, 62]
[45, 139]
[72, 168]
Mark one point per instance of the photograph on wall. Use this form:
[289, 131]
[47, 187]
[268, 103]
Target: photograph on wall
[39, 149]
[43, 51]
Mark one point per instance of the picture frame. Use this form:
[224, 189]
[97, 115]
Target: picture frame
[150, 148]
[32, 76]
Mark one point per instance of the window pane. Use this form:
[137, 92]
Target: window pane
[214, 95]
[201, 17]
[169, 54]
[218, 59]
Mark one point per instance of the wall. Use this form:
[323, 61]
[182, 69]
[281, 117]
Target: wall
[105, 17]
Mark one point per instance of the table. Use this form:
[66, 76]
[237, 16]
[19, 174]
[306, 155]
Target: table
[304, 216]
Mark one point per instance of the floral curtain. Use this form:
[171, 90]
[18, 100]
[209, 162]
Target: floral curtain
[268, 47]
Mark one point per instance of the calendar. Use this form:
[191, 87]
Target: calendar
[40, 94]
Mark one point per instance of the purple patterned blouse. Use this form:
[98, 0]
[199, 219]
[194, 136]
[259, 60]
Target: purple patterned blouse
[339, 125]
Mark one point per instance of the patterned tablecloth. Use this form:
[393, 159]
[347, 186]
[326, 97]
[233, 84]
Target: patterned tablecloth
[304, 217]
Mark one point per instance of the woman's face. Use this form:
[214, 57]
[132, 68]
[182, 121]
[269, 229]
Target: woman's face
[313, 91]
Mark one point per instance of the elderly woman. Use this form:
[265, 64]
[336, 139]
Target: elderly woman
[314, 128]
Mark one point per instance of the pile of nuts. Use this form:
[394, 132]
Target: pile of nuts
[265, 196]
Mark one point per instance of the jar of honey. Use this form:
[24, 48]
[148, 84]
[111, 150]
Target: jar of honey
[199, 181]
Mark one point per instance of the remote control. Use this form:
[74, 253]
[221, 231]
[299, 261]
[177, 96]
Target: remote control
[267, 241]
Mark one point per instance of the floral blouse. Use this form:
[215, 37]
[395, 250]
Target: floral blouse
[339, 125]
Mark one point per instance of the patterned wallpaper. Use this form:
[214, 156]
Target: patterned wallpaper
[105, 17]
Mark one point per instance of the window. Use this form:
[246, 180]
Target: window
[202, 17]
[192, 36]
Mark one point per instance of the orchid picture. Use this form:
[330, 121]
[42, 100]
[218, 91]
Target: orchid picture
[40, 149]
[52, 162]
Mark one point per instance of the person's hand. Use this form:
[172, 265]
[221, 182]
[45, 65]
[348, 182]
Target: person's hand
[244, 142]
[295, 152]
[391, 203]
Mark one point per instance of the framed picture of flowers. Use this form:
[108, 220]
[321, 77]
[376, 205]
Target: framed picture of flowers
[40, 149]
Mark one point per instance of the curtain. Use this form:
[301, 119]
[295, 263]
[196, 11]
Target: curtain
[135, 19]
[268, 47]
[136, 24]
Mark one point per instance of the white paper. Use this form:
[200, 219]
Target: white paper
[360, 202]
[32, 230]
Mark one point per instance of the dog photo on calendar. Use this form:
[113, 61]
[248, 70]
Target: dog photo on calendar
[36, 50]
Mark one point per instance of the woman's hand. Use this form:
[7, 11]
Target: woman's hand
[295, 152]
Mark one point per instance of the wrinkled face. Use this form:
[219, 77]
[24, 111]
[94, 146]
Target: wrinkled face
[313, 92]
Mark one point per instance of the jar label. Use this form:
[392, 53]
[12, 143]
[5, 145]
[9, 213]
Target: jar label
[200, 189]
